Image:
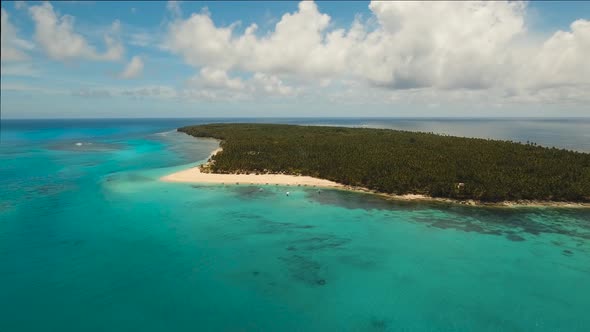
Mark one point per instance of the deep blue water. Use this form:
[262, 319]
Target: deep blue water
[90, 240]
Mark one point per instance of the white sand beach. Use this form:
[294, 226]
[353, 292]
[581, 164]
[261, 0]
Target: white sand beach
[194, 175]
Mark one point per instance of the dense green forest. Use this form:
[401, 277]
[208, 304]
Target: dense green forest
[401, 162]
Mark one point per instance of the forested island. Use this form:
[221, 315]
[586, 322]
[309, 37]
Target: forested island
[401, 162]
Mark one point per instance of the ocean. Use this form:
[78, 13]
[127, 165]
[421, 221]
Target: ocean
[90, 240]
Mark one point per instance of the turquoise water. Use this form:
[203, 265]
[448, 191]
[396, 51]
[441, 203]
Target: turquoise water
[91, 241]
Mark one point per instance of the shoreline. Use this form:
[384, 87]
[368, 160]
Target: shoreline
[195, 175]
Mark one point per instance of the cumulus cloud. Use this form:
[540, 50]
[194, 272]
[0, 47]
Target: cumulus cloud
[216, 84]
[288, 48]
[272, 85]
[12, 47]
[133, 69]
[443, 46]
[217, 78]
[55, 34]
[405, 52]
[562, 59]
[174, 8]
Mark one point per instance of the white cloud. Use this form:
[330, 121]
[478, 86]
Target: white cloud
[153, 91]
[433, 53]
[217, 78]
[272, 85]
[25, 88]
[12, 48]
[141, 92]
[19, 5]
[133, 69]
[562, 60]
[56, 35]
[216, 84]
[441, 46]
[174, 8]
[201, 43]
[19, 69]
[213, 84]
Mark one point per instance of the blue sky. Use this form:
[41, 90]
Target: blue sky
[206, 59]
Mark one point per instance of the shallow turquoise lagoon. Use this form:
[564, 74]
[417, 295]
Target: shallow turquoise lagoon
[90, 240]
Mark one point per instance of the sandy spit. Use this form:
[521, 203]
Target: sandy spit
[194, 175]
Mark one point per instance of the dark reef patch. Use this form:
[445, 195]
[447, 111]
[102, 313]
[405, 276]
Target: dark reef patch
[266, 226]
[263, 225]
[515, 238]
[509, 223]
[482, 220]
[303, 269]
[378, 324]
[51, 189]
[354, 200]
[320, 242]
[567, 253]
[251, 192]
[5, 206]
[202, 187]
[469, 226]
[128, 177]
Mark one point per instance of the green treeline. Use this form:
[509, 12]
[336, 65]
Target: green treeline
[400, 162]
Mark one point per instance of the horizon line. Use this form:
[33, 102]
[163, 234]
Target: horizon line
[300, 117]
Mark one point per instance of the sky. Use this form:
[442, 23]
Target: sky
[122, 59]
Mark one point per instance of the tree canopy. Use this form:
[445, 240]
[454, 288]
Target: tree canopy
[402, 162]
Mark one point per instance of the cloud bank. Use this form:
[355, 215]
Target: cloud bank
[55, 34]
[432, 53]
[439, 46]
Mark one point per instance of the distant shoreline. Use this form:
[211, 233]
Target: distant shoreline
[195, 175]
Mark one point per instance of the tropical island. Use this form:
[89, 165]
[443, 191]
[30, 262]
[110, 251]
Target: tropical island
[395, 163]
